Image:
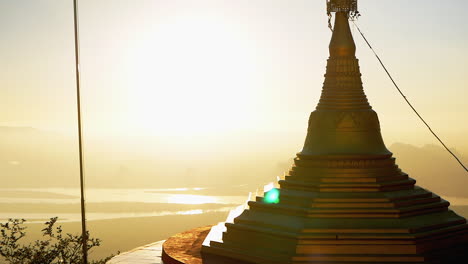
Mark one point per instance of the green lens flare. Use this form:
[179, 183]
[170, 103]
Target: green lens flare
[272, 196]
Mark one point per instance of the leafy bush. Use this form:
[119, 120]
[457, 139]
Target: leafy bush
[55, 247]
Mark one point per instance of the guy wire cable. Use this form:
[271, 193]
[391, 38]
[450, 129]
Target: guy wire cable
[406, 99]
[84, 233]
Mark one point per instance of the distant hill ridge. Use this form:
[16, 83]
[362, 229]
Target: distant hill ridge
[433, 168]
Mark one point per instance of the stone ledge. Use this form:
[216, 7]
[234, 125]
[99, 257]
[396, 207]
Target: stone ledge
[185, 248]
[148, 254]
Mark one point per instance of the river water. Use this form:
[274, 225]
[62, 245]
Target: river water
[30, 197]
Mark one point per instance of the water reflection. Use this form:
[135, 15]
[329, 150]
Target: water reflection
[191, 199]
[98, 195]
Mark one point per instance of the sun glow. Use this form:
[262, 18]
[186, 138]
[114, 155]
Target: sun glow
[193, 75]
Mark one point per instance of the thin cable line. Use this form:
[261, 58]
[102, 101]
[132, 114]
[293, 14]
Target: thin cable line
[84, 234]
[407, 101]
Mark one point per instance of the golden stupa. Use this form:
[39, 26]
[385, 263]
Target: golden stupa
[344, 200]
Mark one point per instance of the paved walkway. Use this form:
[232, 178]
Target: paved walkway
[149, 254]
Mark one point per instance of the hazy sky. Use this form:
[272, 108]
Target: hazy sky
[218, 67]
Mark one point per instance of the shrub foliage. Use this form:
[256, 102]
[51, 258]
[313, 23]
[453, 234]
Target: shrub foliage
[55, 246]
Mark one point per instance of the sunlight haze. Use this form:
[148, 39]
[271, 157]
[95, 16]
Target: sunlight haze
[213, 67]
[192, 107]
[201, 79]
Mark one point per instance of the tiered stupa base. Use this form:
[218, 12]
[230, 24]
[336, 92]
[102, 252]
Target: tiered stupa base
[349, 212]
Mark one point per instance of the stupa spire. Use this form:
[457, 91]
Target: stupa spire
[342, 89]
[342, 42]
[343, 124]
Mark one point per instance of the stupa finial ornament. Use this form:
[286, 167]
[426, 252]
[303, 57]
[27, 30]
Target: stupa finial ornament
[341, 6]
[348, 7]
